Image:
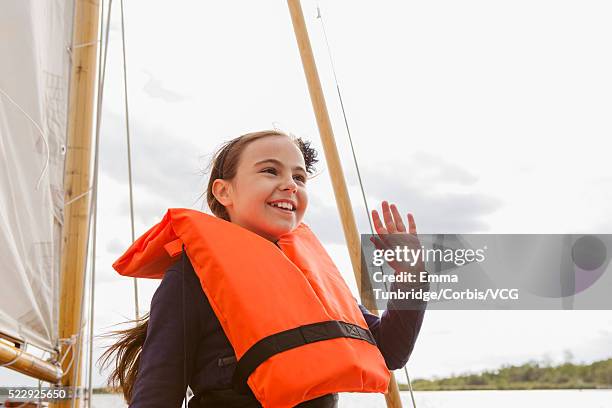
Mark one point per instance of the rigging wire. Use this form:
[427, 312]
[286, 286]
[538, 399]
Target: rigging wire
[129, 152]
[348, 132]
[102, 57]
[185, 385]
[103, 54]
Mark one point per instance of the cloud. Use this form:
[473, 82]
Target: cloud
[163, 165]
[435, 169]
[115, 246]
[154, 88]
[442, 196]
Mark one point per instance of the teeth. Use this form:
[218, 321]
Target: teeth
[283, 204]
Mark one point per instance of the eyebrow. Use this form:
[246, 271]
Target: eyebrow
[278, 162]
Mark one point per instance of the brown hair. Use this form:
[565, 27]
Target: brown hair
[130, 341]
[127, 348]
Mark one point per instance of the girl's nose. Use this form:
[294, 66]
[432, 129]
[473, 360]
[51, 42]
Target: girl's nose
[289, 184]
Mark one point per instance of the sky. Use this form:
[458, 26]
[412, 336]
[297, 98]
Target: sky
[476, 116]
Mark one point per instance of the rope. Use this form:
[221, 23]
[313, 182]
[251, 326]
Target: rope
[84, 45]
[17, 357]
[70, 341]
[348, 131]
[129, 151]
[76, 47]
[73, 199]
[42, 135]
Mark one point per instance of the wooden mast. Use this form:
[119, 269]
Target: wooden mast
[332, 158]
[76, 183]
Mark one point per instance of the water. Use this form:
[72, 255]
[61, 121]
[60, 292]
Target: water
[454, 399]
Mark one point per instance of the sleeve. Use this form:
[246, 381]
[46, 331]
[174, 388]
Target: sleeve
[395, 333]
[169, 345]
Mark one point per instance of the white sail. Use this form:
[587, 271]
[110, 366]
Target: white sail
[35, 39]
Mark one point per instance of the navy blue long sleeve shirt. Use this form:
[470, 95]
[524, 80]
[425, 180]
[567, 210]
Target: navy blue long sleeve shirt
[196, 338]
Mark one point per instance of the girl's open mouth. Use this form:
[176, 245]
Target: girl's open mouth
[281, 209]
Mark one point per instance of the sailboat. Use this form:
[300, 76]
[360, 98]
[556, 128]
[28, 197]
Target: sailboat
[48, 95]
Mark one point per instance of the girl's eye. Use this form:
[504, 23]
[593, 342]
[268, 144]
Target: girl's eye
[272, 170]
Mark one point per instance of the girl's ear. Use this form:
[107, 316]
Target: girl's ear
[221, 189]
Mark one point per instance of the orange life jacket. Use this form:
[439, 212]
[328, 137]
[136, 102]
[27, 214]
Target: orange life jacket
[312, 339]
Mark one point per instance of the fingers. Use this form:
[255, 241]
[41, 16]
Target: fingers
[399, 224]
[392, 221]
[380, 229]
[389, 222]
[411, 224]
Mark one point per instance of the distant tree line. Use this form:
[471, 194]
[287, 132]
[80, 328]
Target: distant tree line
[532, 375]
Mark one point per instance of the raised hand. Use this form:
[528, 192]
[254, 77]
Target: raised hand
[392, 234]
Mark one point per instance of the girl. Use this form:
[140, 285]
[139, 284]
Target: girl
[258, 182]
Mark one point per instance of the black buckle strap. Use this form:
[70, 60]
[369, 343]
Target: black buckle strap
[292, 338]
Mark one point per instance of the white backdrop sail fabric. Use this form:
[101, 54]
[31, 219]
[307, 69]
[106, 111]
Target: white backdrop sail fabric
[35, 37]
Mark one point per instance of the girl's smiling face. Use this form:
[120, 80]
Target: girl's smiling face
[271, 173]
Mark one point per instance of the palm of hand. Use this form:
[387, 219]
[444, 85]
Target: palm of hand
[393, 234]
